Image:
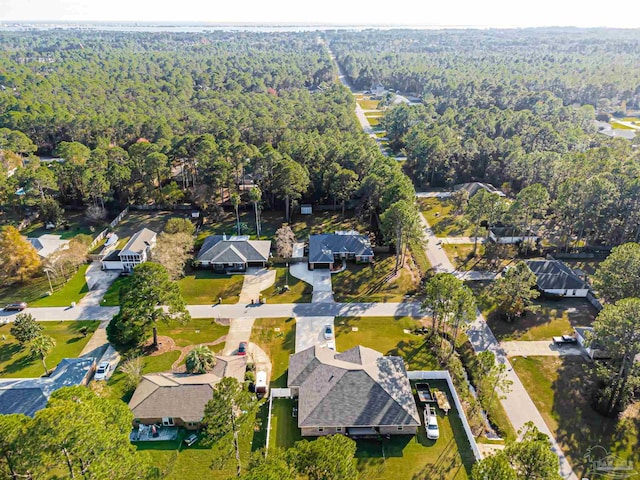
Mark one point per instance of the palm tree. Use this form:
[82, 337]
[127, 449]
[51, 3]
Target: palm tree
[255, 195]
[41, 346]
[235, 201]
[200, 360]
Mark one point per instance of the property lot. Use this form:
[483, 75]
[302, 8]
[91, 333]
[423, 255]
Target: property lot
[277, 337]
[137, 219]
[374, 282]
[298, 291]
[444, 222]
[15, 361]
[553, 317]
[559, 386]
[75, 223]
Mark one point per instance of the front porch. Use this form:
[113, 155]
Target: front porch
[153, 433]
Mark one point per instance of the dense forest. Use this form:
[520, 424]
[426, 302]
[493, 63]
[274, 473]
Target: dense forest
[513, 108]
[170, 118]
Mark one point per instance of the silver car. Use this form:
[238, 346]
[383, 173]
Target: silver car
[103, 370]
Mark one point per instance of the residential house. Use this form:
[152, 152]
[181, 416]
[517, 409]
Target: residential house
[555, 279]
[327, 248]
[179, 399]
[28, 395]
[511, 235]
[47, 244]
[136, 251]
[236, 253]
[359, 392]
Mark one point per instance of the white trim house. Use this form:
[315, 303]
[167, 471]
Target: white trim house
[136, 251]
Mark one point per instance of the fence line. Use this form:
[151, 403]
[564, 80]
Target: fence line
[98, 239]
[444, 375]
[119, 218]
[266, 447]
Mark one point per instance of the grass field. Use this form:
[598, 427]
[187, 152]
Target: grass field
[366, 282]
[34, 290]
[440, 216]
[553, 317]
[203, 287]
[368, 104]
[15, 361]
[299, 291]
[557, 386]
[195, 332]
[76, 224]
[277, 344]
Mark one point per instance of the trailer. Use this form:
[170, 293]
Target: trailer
[424, 393]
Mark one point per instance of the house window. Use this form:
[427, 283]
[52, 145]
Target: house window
[400, 428]
[338, 429]
[167, 421]
[321, 429]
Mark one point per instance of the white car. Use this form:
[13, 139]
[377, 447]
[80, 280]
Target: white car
[328, 332]
[103, 370]
[431, 423]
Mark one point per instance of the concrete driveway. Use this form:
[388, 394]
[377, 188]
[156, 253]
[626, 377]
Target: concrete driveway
[320, 280]
[542, 348]
[98, 281]
[256, 280]
[239, 331]
[310, 331]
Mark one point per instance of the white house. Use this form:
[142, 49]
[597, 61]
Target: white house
[136, 251]
[46, 244]
[554, 278]
[511, 235]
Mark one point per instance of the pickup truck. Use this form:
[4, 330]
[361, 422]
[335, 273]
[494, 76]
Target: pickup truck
[565, 340]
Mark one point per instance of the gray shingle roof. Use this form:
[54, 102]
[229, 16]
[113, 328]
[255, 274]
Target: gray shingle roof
[182, 395]
[323, 247]
[359, 387]
[555, 275]
[219, 249]
[139, 242]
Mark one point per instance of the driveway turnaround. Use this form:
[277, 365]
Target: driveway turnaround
[256, 280]
[543, 348]
[320, 280]
[310, 332]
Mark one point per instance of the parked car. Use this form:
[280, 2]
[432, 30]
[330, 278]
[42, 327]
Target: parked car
[328, 332]
[565, 340]
[191, 439]
[331, 345]
[242, 348]
[431, 423]
[15, 307]
[103, 370]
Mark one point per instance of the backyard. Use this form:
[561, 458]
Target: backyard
[559, 386]
[15, 361]
[74, 223]
[370, 282]
[35, 290]
[298, 291]
[443, 220]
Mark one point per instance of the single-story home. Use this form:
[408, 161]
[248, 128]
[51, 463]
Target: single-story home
[511, 235]
[136, 251]
[593, 350]
[178, 399]
[46, 244]
[326, 248]
[235, 253]
[474, 187]
[27, 396]
[554, 278]
[359, 392]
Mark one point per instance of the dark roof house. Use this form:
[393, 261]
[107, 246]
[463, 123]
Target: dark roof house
[474, 187]
[180, 398]
[356, 392]
[233, 253]
[326, 248]
[27, 396]
[555, 278]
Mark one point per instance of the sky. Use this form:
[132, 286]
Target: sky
[481, 13]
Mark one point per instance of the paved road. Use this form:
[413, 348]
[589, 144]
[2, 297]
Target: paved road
[435, 253]
[433, 194]
[462, 240]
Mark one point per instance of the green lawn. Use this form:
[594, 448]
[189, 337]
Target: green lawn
[195, 332]
[284, 426]
[368, 104]
[557, 386]
[34, 290]
[77, 224]
[299, 291]
[203, 287]
[367, 282]
[440, 216]
[112, 297]
[15, 361]
[380, 333]
[553, 317]
[277, 344]
[374, 121]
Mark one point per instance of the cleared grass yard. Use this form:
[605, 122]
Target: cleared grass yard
[15, 361]
[277, 344]
[204, 287]
[298, 292]
[444, 222]
[368, 104]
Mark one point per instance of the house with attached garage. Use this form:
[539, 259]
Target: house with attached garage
[327, 248]
[178, 399]
[235, 253]
[136, 251]
[555, 279]
[359, 393]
